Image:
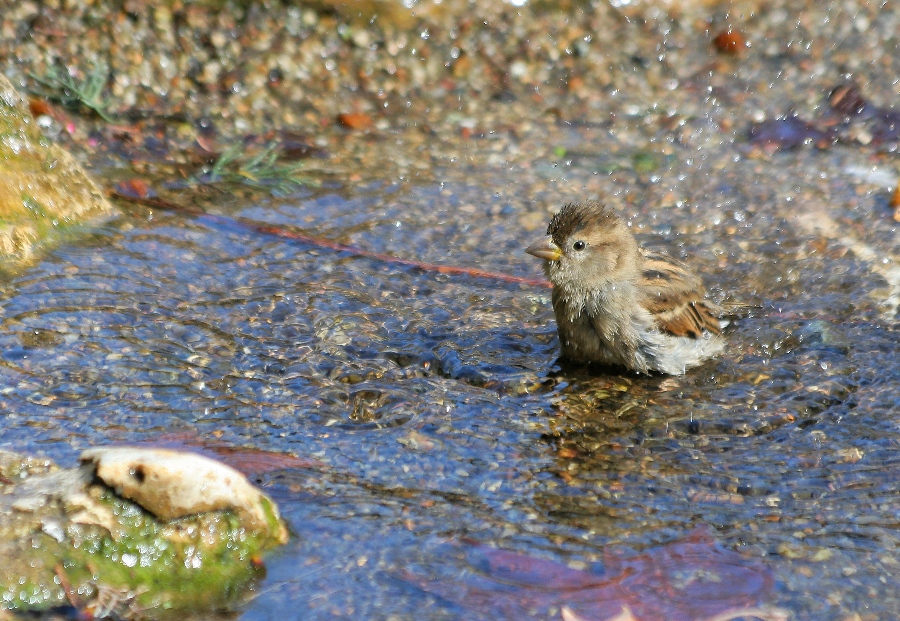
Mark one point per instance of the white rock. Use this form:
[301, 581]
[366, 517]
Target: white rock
[173, 484]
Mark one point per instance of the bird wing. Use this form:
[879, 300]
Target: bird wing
[674, 296]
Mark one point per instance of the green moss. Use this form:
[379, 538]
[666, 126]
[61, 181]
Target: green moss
[194, 563]
[32, 205]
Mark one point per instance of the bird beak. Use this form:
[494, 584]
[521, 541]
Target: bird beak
[545, 249]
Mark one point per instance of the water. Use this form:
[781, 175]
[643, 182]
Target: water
[435, 404]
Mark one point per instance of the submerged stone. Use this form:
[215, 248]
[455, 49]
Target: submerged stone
[43, 190]
[68, 538]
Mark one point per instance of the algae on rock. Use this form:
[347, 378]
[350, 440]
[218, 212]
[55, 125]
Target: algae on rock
[42, 188]
[67, 537]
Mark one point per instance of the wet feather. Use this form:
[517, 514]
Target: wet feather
[616, 303]
[675, 297]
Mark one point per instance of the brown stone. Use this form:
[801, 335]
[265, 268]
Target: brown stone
[43, 190]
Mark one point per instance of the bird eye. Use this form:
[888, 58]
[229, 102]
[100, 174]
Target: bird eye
[579, 245]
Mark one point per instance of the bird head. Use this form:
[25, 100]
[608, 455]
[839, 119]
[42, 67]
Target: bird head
[587, 247]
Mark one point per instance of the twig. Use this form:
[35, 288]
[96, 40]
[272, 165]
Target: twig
[386, 258]
[282, 233]
[70, 593]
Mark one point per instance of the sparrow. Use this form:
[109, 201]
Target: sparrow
[619, 304]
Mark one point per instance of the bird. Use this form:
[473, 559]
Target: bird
[619, 304]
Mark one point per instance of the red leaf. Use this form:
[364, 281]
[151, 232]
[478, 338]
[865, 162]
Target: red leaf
[691, 579]
[39, 107]
[355, 120]
[135, 188]
[730, 42]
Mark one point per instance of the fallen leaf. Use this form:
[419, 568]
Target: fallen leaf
[135, 188]
[692, 579]
[355, 120]
[730, 42]
[789, 132]
[39, 107]
[847, 99]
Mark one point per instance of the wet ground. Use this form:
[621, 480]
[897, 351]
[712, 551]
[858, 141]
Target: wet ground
[435, 403]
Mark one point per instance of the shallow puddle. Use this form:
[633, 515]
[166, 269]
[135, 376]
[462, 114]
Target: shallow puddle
[435, 405]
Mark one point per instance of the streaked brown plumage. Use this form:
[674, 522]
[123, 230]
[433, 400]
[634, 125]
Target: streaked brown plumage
[616, 303]
[674, 296]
